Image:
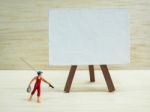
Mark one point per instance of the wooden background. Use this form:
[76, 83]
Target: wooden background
[24, 31]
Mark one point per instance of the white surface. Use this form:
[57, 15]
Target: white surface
[132, 92]
[88, 36]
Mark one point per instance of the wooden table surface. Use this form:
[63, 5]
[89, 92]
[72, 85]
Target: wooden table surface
[132, 92]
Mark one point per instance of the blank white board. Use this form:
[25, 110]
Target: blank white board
[88, 36]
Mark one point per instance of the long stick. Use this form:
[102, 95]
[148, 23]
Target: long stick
[28, 64]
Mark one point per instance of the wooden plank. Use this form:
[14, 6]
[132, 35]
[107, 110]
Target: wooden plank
[24, 32]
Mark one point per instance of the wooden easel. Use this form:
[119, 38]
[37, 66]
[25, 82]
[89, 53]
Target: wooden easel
[105, 72]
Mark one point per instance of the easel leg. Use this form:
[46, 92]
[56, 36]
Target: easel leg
[70, 78]
[91, 71]
[107, 77]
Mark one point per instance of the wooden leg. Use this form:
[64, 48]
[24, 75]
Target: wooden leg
[107, 77]
[91, 71]
[70, 78]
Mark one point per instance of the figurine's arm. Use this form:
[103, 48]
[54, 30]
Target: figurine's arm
[47, 82]
[32, 81]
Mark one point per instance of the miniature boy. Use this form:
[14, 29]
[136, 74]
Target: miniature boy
[37, 85]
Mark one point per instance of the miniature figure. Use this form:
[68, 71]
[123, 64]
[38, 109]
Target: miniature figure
[37, 86]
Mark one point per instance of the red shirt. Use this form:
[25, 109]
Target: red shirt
[38, 81]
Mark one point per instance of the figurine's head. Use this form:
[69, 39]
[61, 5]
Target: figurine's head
[39, 73]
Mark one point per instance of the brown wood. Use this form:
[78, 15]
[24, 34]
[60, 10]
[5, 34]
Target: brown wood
[104, 69]
[70, 78]
[91, 72]
[107, 77]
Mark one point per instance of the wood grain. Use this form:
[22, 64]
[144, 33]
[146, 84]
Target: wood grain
[132, 93]
[24, 31]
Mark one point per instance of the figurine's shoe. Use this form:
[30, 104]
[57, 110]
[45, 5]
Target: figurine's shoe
[38, 101]
[29, 99]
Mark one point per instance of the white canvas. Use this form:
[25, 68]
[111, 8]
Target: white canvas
[88, 36]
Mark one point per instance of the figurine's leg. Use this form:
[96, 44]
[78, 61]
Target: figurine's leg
[32, 93]
[38, 95]
[38, 99]
[30, 98]
[91, 71]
